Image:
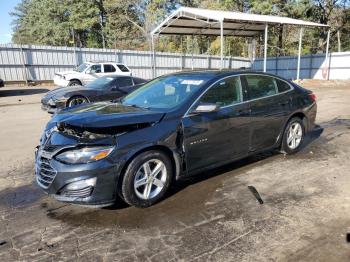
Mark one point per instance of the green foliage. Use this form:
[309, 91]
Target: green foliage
[126, 24]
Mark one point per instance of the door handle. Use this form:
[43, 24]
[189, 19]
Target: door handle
[243, 112]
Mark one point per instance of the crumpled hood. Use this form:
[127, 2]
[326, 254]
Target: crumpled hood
[105, 115]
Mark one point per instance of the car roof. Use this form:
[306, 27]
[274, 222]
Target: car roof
[103, 62]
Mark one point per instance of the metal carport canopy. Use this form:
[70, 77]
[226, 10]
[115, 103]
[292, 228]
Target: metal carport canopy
[196, 21]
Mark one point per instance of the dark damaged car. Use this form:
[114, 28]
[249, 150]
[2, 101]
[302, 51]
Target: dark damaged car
[105, 88]
[174, 126]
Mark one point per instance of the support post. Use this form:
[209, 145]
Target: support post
[153, 57]
[222, 44]
[192, 62]
[299, 52]
[327, 51]
[265, 47]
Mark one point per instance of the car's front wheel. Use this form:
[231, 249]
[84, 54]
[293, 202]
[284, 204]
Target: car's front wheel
[76, 100]
[293, 136]
[74, 82]
[147, 179]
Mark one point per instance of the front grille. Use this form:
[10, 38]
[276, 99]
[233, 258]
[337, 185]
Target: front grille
[45, 174]
[81, 193]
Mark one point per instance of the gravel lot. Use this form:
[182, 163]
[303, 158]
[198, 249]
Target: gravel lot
[213, 216]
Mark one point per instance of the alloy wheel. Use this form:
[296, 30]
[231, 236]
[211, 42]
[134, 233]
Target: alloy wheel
[150, 179]
[294, 135]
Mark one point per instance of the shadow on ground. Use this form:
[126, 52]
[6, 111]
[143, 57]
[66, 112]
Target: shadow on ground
[22, 92]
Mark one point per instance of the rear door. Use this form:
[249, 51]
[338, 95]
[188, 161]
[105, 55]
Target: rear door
[211, 138]
[109, 70]
[269, 108]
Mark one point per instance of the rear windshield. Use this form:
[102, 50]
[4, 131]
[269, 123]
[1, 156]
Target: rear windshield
[123, 68]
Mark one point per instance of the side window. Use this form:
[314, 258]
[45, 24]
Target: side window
[95, 68]
[108, 68]
[138, 81]
[124, 81]
[225, 92]
[123, 68]
[282, 86]
[260, 86]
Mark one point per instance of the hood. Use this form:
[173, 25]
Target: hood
[64, 73]
[106, 118]
[61, 91]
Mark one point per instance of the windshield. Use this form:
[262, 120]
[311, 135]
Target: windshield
[166, 92]
[101, 82]
[82, 67]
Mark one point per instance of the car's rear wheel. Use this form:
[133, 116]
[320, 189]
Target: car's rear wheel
[293, 136]
[76, 100]
[74, 83]
[147, 179]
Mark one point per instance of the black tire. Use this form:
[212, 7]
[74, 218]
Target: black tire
[286, 147]
[74, 82]
[128, 191]
[81, 100]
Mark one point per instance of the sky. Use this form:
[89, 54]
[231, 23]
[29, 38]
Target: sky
[6, 6]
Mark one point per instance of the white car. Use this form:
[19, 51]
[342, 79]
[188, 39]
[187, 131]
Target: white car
[89, 71]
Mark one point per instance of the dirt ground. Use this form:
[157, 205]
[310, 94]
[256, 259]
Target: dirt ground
[212, 217]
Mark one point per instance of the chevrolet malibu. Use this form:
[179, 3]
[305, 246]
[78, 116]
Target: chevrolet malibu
[172, 127]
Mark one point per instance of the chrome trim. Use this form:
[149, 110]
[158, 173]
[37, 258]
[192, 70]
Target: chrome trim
[243, 102]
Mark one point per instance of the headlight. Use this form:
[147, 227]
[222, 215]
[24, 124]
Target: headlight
[84, 155]
[51, 102]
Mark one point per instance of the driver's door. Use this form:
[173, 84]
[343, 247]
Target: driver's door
[215, 137]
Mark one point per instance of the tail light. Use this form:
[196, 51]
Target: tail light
[313, 97]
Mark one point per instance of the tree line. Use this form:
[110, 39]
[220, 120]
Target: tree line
[124, 24]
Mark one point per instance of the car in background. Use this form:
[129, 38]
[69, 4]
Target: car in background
[88, 72]
[172, 127]
[2, 83]
[106, 88]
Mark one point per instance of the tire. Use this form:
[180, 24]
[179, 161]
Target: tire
[76, 100]
[292, 142]
[74, 83]
[137, 188]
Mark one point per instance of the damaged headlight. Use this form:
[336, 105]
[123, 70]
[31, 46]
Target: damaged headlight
[84, 155]
[51, 102]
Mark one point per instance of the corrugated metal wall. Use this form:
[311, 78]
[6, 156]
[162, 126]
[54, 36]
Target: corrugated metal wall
[41, 62]
[311, 66]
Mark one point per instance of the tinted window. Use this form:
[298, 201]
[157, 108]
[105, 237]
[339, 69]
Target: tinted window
[226, 92]
[123, 68]
[282, 86]
[96, 68]
[108, 68]
[124, 81]
[100, 83]
[261, 86]
[138, 81]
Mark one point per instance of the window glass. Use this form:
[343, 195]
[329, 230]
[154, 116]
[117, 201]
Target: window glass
[138, 81]
[166, 92]
[124, 81]
[226, 92]
[95, 68]
[261, 86]
[282, 86]
[108, 68]
[82, 67]
[123, 68]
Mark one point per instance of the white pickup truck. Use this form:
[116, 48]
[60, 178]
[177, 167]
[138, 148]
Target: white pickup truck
[89, 71]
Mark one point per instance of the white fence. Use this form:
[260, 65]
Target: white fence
[18, 63]
[311, 66]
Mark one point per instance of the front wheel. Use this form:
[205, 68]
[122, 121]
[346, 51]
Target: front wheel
[293, 136]
[76, 100]
[147, 179]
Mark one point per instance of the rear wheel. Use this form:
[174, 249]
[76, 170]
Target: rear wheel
[293, 136]
[74, 83]
[147, 179]
[76, 100]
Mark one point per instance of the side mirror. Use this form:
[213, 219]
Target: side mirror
[206, 108]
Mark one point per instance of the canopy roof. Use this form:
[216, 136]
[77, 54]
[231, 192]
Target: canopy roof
[196, 21]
